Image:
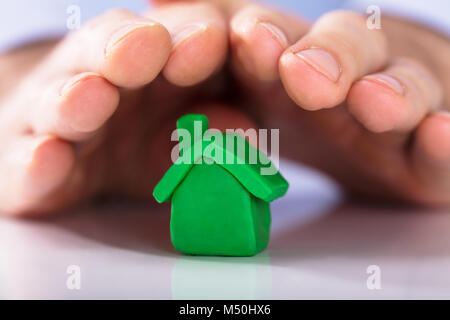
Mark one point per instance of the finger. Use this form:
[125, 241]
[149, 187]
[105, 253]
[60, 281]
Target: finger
[31, 169]
[259, 35]
[431, 156]
[432, 143]
[319, 70]
[75, 108]
[199, 41]
[128, 50]
[396, 99]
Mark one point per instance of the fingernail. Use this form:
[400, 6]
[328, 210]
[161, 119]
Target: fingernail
[74, 81]
[388, 81]
[322, 61]
[276, 32]
[187, 32]
[123, 32]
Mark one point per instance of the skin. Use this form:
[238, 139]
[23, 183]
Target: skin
[100, 105]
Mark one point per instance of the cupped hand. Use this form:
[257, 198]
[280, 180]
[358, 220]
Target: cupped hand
[94, 115]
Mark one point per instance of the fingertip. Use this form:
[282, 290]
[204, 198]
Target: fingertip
[50, 165]
[396, 99]
[137, 57]
[319, 70]
[258, 46]
[88, 101]
[310, 89]
[378, 108]
[199, 52]
[433, 140]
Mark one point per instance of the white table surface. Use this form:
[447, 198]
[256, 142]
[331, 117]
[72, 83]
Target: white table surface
[320, 248]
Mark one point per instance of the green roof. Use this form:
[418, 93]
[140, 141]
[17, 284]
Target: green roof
[264, 187]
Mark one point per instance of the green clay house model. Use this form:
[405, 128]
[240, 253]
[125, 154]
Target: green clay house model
[219, 208]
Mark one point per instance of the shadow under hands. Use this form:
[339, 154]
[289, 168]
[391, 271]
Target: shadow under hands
[356, 231]
[138, 227]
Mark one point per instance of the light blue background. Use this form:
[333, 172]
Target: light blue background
[31, 20]
[24, 20]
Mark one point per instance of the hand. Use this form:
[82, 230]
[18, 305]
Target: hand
[63, 146]
[91, 116]
[369, 107]
[383, 128]
[373, 105]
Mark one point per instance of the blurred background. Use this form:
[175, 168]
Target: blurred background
[39, 19]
